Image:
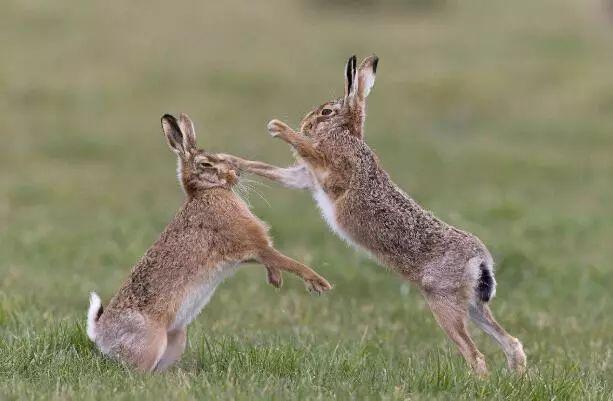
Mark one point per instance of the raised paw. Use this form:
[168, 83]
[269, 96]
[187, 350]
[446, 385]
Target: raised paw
[317, 285]
[277, 128]
[274, 277]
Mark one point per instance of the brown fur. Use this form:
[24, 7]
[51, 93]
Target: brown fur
[370, 211]
[213, 230]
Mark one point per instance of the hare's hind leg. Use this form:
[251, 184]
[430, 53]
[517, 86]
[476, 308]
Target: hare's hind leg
[175, 345]
[451, 313]
[132, 338]
[146, 349]
[273, 259]
[481, 314]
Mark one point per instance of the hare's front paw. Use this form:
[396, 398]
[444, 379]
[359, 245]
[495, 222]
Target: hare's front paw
[318, 285]
[274, 277]
[276, 128]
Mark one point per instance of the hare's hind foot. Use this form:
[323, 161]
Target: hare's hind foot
[481, 314]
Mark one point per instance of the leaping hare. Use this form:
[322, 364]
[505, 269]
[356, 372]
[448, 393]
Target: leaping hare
[211, 235]
[360, 202]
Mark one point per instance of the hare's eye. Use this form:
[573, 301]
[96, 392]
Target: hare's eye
[205, 164]
[326, 112]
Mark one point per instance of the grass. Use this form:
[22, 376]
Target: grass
[497, 116]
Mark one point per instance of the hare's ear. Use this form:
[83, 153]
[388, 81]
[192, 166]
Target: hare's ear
[350, 75]
[366, 76]
[189, 133]
[173, 134]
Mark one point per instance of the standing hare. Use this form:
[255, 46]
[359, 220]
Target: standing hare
[211, 235]
[361, 204]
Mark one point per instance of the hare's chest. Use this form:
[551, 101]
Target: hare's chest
[328, 211]
[197, 296]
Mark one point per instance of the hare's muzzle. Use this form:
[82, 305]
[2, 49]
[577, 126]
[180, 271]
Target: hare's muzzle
[232, 176]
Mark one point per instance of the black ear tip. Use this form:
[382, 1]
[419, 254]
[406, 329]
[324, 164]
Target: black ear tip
[168, 117]
[375, 63]
[352, 60]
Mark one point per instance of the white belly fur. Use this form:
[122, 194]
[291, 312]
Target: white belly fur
[328, 211]
[198, 296]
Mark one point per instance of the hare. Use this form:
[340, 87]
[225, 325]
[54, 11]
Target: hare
[361, 204]
[145, 323]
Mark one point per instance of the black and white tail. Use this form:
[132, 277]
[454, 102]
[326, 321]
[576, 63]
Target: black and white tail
[486, 286]
[93, 314]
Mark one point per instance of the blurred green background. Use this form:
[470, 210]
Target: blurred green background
[498, 116]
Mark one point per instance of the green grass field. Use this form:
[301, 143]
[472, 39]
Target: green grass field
[498, 116]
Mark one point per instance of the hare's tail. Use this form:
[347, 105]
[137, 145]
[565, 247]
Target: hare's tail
[486, 286]
[93, 314]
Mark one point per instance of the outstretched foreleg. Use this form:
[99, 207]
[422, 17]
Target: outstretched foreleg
[303, 145]
[296, 177]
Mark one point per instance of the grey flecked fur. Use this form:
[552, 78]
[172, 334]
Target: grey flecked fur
[363, 205]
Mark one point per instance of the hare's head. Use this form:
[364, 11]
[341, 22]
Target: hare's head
[197, 169]
[347, 113]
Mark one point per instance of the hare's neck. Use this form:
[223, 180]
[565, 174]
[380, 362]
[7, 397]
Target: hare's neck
[209, 202]
[210, 195]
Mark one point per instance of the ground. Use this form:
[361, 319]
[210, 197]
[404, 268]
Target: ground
[497, 116]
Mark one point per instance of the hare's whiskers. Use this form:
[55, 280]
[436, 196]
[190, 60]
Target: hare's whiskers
[258, 193]
[247, 180]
